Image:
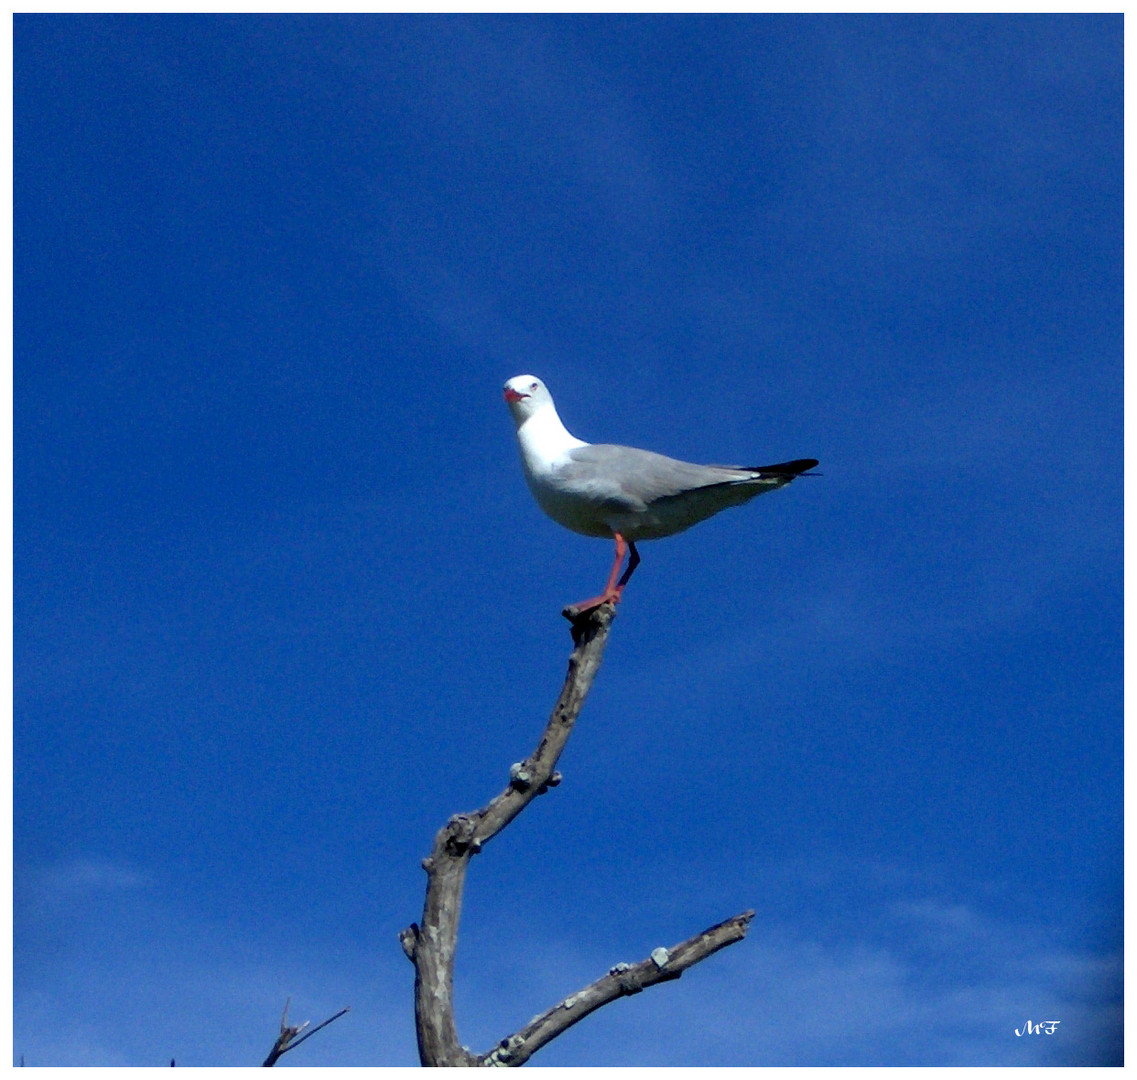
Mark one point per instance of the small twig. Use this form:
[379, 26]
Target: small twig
[322, 1024]
[287, 1040]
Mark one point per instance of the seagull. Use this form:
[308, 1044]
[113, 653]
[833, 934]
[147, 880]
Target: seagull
[619, 492]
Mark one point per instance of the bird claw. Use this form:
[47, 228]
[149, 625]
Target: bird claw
[586, 607]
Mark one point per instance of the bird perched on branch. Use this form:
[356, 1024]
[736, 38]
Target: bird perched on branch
[621, 492]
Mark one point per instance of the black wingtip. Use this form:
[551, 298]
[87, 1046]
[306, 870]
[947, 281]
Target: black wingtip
[788, 469]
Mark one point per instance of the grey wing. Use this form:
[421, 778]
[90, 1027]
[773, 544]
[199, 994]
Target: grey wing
[626, 478]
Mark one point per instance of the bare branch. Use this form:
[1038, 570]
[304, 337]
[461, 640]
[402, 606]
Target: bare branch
[287, 1040]
[432, 944]
[662, 966]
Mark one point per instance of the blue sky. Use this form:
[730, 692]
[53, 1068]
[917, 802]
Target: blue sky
[283, 602]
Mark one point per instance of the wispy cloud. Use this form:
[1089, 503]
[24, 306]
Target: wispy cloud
[73, 878]
[905, 977]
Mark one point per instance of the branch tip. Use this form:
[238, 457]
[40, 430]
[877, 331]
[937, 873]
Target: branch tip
[588, 622]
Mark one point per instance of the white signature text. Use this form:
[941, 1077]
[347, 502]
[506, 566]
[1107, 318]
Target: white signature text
[1048, 1026]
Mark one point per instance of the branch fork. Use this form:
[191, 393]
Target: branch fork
[431, 944]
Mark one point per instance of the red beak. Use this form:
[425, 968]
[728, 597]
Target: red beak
[513, 395]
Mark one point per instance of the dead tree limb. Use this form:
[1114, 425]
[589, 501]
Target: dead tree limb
[431, 945]
[621, 980]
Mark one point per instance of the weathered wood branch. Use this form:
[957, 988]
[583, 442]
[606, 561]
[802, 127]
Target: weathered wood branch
[662, 966]
[431, 945]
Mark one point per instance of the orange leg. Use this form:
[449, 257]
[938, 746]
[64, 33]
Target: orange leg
[614, 588]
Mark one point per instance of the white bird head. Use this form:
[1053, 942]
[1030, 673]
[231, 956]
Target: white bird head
[526, 395]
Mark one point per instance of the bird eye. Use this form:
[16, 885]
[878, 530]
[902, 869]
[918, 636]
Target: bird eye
[532, 386]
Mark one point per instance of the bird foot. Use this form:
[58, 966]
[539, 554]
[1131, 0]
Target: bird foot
[576, 611]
